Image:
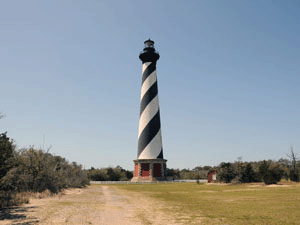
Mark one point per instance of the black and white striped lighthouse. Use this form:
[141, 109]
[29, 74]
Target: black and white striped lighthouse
[150, 164]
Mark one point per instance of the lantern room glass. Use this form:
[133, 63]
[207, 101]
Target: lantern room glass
[149, 44]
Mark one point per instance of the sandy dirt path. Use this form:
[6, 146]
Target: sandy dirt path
[97, 204]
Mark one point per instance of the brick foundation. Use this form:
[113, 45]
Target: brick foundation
[147, 170]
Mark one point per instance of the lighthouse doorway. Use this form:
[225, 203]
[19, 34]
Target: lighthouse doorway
[145, 169]
[156, 170]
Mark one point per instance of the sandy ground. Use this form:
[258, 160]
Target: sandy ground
[97, 204]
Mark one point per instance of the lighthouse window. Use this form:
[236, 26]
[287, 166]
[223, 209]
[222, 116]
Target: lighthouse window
[149, 45]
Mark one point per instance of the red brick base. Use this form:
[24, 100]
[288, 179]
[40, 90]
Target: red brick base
[149, 170]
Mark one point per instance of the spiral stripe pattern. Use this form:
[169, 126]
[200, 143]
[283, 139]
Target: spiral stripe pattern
[149, 138]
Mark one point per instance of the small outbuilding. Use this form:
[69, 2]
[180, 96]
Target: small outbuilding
[212, 176]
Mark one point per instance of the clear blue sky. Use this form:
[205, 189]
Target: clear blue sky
[228, 77]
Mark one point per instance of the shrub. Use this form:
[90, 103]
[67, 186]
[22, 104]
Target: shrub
[270, 175]
[6, 153]
[38, 171]
[248, 174]
[97, 175]
[235, 180]
[294, 175]
[226, 172]
[110, 174]
[9, 198]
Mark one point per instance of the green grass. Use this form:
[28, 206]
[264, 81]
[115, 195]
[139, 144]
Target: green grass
[226, 204]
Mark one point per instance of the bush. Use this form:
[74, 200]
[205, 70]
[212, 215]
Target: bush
[235, 180]
[32, 170]
[226, 172]
[97, 175]
[270, 175]
[294, 175]
[110, 174]
[9, 198]
[248, 174]
[6, 153]
[38, 171]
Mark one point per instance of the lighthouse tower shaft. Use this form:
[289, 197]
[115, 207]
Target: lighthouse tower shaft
[149, 137]
[150, 165]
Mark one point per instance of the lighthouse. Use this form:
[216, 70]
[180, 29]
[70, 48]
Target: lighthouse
[150, 164]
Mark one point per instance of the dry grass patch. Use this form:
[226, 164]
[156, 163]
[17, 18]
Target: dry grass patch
[226, 204]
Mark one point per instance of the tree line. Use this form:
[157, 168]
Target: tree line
[110, 174]
[267, 171]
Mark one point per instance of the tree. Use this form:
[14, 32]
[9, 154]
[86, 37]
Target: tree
[270, 174]
[248, 174]
[226, 172]
[174, 173]
[238, 164]
[109, 174]
[294, 172]
[6, 153]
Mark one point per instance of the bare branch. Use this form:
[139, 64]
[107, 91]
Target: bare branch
[293, 158]
[48, 150]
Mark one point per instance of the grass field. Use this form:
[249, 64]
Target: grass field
[193, 203]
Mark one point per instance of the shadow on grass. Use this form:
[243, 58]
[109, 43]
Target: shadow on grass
[16, 215]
